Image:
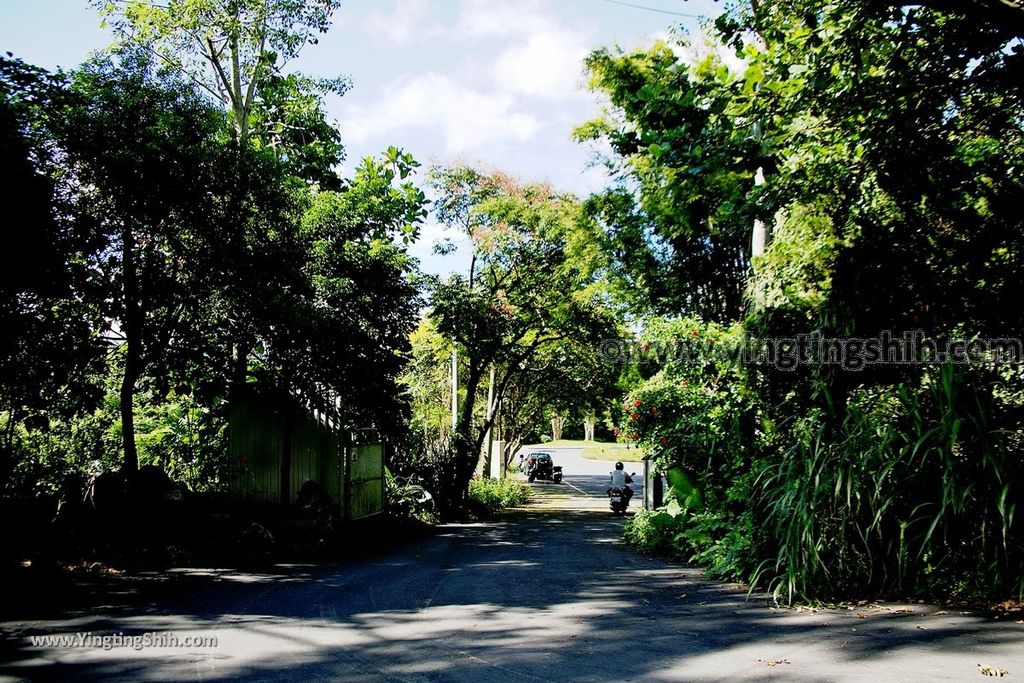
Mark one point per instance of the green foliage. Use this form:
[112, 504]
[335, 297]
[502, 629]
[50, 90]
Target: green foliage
[654, 532]
[792, 281]
[428, 385]
[289, 119]
[48, 349]
[407, 499]
[678, 218]
[175, 430]
[235, 52]
[888, 208]
[491, 495]
[179, 262]
[348, 318]
[719, 544]
[914, 495]
[525, 310]
[696, 410]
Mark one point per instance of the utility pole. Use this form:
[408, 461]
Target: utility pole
[759, 235]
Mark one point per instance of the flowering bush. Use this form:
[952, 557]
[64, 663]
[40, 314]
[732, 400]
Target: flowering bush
[690, 412]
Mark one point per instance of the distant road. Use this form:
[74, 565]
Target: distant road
[569, 458]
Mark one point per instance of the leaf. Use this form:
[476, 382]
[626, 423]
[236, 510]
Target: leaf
[774, 662]
[992, 671]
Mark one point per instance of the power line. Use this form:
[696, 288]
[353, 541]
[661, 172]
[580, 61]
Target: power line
[654, 9]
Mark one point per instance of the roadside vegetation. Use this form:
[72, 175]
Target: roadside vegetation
[890, 144]
[797, 176]
[488, 496]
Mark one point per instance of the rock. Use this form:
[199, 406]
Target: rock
[256, 543]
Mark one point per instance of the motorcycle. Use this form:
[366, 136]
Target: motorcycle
[554, 474]
[618, 500]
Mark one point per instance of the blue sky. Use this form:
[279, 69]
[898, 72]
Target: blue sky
[497, 81]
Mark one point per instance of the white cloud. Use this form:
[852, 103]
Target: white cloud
[441, 264]
[406, 20]
[433, 232]
[548, 64]
[466, 118]
[696, 46]
[488, 18]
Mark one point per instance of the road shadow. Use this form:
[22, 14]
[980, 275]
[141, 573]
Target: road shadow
[547, 592]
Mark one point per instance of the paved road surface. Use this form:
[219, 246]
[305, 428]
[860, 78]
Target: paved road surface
[543, 594]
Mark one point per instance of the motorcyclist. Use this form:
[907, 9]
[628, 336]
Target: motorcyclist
[621, 480]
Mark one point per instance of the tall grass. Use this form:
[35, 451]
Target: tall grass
[913, 494]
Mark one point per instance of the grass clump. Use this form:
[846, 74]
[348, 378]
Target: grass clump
[488, 496]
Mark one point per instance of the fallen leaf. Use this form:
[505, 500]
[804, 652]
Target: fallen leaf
[993, 671]
[774, 662]
[939, 613]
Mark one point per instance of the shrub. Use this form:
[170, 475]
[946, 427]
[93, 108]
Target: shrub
[914, 493]
[407, 499]
[490, 495]
[655, 532]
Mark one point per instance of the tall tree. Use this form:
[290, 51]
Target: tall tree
[232, 49]
[236, 51]
[141, 153]
[678, 217]
[527, 295]
[48, 349]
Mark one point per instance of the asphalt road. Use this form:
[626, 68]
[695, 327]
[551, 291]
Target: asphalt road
[543, 594]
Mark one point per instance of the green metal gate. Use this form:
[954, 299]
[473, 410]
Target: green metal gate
[352, 473]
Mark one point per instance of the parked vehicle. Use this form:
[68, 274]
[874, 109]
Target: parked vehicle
[541, 466]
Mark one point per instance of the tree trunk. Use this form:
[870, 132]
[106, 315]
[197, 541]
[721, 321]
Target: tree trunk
[455, 389]
[490, 426]
[557, 422]
[589, 425]
[467, 450]
[132, 329]
[509, 451]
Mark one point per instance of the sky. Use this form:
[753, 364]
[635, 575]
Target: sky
[497, 82]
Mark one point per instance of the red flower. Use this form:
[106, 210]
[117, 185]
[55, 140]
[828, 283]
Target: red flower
[654, 411]
[645, 346]
[615, 431]
[695, 333]
[633, 416]
[664, 441]
[637, 403]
